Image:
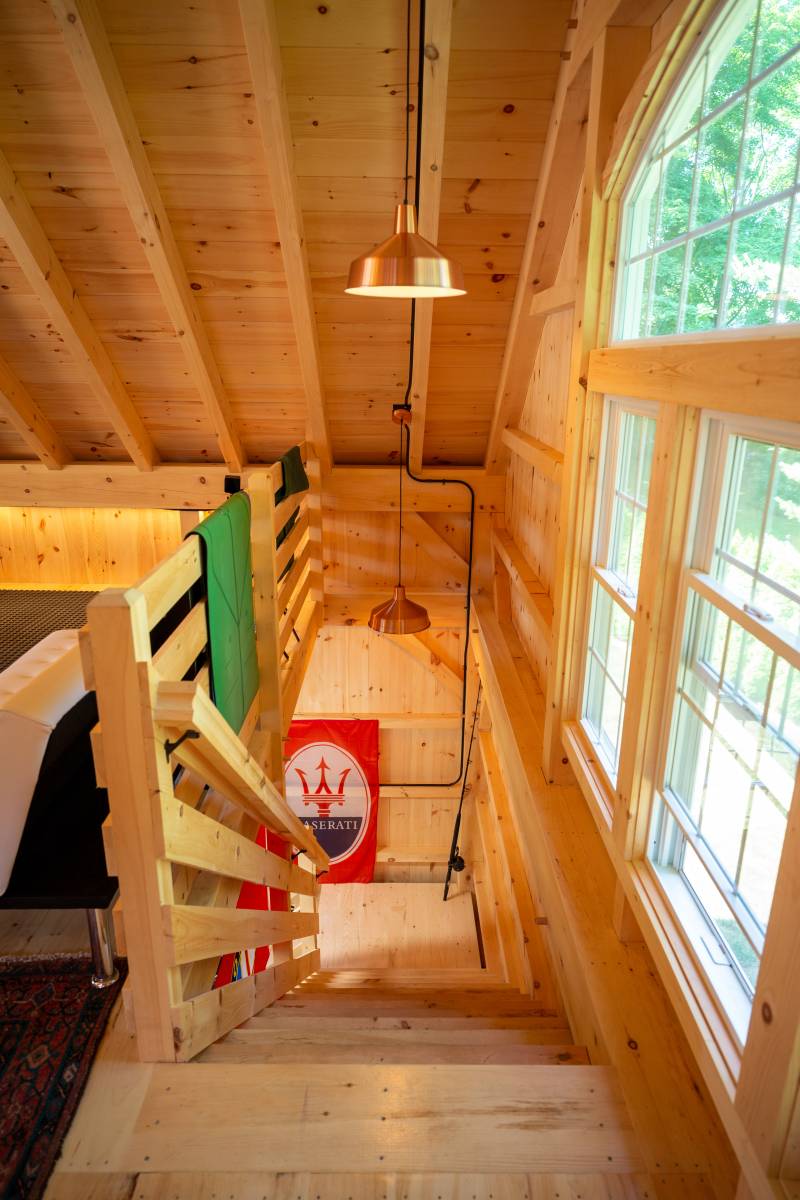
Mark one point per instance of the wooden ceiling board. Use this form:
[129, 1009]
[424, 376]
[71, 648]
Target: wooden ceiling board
[12, 447]
[187, 79]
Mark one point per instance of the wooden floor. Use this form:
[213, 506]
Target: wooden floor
[43, 931]
[244, 1185]
[376, 925]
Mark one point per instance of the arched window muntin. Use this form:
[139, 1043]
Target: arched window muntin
[720, 173]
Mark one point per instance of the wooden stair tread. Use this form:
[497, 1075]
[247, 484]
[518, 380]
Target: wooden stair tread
[288, 1018]
[470, 1034]
[267, 1185]
[476, 1002]
[485, 1118]
[404, 1048]
[400, 978]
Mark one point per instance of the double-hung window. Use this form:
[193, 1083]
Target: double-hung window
[729, 764]
[619, 538]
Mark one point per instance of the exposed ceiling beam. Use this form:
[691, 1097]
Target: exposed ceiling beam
[365, 489]
[112, 485]
[192, 486]
[94, 63]
[438, 27]
[28, 420]
[28, 243]
[556, 193]
[266, 69]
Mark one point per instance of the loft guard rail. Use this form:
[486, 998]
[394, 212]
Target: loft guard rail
[187, 794]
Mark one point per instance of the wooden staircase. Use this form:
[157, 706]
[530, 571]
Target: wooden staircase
[376, 1085]
[401, 1017]
[391, 1083]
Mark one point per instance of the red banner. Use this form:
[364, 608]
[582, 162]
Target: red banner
[254, 895]
[332, 784]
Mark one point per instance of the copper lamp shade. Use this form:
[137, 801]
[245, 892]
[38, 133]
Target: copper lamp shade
[405, 266]
[399, 615]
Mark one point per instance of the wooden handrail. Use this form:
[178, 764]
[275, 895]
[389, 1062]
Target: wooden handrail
[219, 752]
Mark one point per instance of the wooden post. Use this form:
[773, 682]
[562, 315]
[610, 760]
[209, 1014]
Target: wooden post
[139, 779]
[658, 604]
[265, 589]
[768, 1082]
[616, 59]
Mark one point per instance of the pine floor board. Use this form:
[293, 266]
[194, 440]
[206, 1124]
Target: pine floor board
[245, 1185]
[257, 1117]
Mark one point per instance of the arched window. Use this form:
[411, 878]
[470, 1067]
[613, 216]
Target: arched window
[710, 235]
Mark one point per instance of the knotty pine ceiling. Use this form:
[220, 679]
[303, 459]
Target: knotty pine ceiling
[186, 74]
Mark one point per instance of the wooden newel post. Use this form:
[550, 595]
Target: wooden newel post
[260, 488]
[138, 776]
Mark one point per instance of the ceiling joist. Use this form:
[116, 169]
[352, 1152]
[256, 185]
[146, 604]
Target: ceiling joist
[28, 243]
[104, 91]
[438, 29]
[25, 416]
[260, 26]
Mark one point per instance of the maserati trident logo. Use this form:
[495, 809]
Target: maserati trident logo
[323, 790]
[327, 789]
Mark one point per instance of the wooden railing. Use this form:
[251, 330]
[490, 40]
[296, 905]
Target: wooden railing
[288, 599]
[188, 794]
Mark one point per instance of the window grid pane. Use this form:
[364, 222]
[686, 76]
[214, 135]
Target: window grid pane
[757, 555]
[606, 681]
[631, 485]
[709, 235]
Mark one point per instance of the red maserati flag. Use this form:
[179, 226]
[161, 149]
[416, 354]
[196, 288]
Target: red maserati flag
[332, 785]
[253, 895]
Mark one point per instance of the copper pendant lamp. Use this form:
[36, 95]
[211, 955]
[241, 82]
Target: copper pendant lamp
[399, 614]
[406, 265]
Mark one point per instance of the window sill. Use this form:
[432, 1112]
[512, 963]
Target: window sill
[699, 1010]
[592, 776]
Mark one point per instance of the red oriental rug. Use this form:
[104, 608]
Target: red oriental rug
[51, 1022]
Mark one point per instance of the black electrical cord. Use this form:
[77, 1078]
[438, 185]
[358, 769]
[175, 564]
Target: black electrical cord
[405, 466]
[404, 462]
[455, 862]
[417, 153]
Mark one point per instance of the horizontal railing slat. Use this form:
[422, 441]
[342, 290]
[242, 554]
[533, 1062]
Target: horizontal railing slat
[173, 659]
[194, 932]
[218, 752]
[287, 548]
[196, 840]
[284, 510]
[295, 608]
[289, 582]
[293, 674]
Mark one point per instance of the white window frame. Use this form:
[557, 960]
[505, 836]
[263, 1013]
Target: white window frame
[697, 928]
[599, 571]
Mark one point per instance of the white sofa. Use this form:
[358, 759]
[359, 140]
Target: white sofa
[36, 691]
